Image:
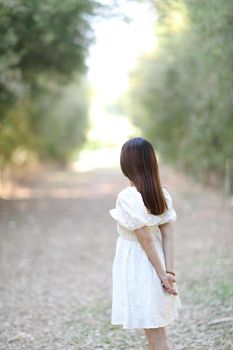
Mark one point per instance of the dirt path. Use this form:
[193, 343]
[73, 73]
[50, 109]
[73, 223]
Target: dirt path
[56, 251]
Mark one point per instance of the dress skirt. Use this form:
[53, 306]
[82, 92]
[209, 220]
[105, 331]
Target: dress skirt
[138, 299]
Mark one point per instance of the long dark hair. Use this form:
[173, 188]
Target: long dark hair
[139, 164]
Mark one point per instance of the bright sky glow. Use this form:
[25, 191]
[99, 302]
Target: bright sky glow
[118, 47]
[116, 51]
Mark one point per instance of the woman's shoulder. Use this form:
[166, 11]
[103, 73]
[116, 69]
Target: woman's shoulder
[130, 197]
[164, 188]
[129, 210]
[167, 194]
[129, 192]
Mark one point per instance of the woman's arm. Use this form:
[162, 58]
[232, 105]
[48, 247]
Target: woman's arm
[147, 241]
[168, 245]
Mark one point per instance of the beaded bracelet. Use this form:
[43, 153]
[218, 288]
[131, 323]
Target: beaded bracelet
[172, 273]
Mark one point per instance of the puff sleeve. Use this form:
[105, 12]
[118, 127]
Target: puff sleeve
[170, 214]
[129, 212]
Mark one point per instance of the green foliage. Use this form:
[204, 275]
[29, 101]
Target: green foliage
[64, 131]
[42, 50]
[181, 96]
[38, 37]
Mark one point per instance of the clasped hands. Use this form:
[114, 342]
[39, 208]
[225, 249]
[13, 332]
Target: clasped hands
[167, 282]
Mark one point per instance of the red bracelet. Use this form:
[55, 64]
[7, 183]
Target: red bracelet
[172, 273]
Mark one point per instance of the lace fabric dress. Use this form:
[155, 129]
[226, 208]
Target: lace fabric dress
[138, 299]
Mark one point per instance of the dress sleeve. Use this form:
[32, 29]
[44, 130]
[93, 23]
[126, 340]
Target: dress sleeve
[129, 213]
[170, 214]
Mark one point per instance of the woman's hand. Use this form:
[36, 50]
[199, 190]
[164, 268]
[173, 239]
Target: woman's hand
[167, 282]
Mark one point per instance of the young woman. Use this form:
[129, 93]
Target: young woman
[144, 290]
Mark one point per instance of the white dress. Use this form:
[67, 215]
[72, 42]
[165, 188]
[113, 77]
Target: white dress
[138, 299]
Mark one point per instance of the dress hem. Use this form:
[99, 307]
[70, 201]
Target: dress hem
[175, 316]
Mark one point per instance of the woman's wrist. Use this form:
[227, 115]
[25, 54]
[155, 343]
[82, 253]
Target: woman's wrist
[171, 272]
[163, 275]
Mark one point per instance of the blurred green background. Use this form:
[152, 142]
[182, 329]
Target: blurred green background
[179, 94]
[77, 79]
